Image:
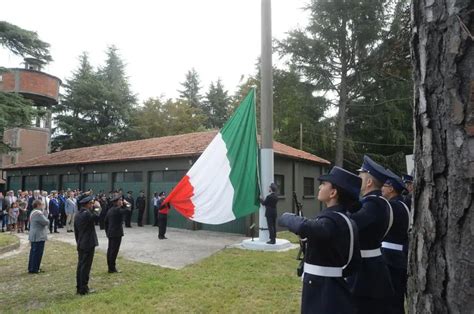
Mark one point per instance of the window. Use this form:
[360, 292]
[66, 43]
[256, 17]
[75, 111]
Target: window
[14, 181]
[156, 176]
[96, 177]
[129, 177]
[280, 182]
[169, 176]
[308, 186]
[70, 178]
[48, 179]
[31, 180]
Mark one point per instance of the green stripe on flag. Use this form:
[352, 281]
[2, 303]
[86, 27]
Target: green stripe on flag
[240, 137]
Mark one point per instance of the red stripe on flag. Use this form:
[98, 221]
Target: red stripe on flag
[180, 197]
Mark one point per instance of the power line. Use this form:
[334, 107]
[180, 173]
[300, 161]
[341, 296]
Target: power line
[359, 142]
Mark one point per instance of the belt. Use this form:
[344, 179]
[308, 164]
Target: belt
[370, 253]
[392, 246]
[323, 271]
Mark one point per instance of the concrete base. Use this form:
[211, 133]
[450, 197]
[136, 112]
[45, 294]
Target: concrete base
[280, 245]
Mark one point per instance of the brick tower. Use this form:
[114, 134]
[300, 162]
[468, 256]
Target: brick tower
[41, 88]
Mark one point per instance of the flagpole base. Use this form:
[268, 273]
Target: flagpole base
[256, 245]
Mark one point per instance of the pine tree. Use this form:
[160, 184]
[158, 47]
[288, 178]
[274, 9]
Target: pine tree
[77, 122]
[118, 103]
[191, 89]
[334, 45]
[216, 105]
[97, 105]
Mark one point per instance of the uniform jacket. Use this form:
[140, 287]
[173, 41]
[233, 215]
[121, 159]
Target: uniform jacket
[270, 204]
[131, 201]
[140, 202]
[113, 222]
[398, 234]
[372, 219]
[328, 243]
[54, 207]
[38, 226]
[84, 229]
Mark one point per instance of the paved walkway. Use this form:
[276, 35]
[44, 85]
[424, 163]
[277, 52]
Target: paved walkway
[182, 248]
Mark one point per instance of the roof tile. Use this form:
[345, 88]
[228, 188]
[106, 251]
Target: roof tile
[191, 144]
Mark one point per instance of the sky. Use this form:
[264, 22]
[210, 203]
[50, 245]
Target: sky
[159, 40]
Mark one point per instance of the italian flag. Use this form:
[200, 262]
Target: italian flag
[222, 185]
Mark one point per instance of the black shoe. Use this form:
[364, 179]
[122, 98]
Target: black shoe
[56, 231]
[271, 242]
[114, 271]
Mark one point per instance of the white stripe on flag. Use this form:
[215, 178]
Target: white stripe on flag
[213, 191]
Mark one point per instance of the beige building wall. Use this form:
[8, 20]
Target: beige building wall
[28, 143]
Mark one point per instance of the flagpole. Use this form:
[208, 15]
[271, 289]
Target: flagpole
[266, 113]
[266, 132]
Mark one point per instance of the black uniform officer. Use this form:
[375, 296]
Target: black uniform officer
[86, 239]
[270, 204]
[141, 205]
[395, 244]
[371, 285]
[128, 216]
[114, 231]
[332, 250]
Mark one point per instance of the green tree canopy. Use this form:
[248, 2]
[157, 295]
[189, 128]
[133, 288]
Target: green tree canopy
[191, 91]
[158, 118]
[23, 42]
[97, 105]
[216, 105]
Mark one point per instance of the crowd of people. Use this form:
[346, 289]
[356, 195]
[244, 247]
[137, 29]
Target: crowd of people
[356, 250]
[79, 212]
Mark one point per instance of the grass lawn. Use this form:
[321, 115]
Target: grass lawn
[7, 239]
[231, 281]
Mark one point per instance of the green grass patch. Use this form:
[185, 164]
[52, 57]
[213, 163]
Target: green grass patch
[231, 281]
[7, 239]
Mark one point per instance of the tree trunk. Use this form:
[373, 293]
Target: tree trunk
[441, 248]
[341, 115]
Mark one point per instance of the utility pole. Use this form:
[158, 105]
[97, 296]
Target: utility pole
[301, 136]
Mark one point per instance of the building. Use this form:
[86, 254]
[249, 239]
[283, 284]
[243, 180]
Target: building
[43, 90]
[157, 164]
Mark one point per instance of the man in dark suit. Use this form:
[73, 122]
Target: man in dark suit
[141, 205]
[86, 239]
[128, 215]
[114, 231]
[270, 203]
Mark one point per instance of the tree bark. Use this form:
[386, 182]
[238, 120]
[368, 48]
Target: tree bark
[441, 247]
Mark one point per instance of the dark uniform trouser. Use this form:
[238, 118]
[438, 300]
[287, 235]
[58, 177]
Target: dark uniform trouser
[53, 219]
[271, 222]
[112, 252]
[36, 254]
[162, 221]
[368, 305]
[128, 218]
[399, 280]
[155, 211]
[84, 265]
[140, 217]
